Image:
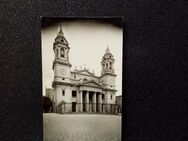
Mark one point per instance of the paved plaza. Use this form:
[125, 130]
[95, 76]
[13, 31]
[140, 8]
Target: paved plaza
[81, 127]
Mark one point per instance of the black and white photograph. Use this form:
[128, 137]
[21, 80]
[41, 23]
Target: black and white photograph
[82, 78]
[90, 70]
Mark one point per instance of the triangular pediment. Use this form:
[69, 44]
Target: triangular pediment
[91, 83]
[85, 72]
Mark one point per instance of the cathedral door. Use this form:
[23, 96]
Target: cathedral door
[73, 106]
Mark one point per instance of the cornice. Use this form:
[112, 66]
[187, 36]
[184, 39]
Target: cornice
[79, 85]
[107, 73]
[62, 83]
[106, 89]
[62, 63]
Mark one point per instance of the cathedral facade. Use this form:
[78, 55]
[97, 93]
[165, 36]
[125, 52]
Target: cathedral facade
[81, 90]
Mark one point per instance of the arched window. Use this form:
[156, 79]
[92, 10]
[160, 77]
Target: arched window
[107, 65]
[63, 92]
[62, 52]
[110, 65]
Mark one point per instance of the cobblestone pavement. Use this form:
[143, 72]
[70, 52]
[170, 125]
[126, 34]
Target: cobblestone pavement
[81, 127]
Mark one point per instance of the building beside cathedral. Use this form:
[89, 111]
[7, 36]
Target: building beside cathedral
[81, 90]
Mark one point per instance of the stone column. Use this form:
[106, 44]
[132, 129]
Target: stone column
[94, 102]
[87, 101]
[104, 104]
[81, 101]
[100, 102]
[77, 101]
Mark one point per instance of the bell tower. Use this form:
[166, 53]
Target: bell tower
[108, 75]
[61, 47]
[107, 62]
[61, 64]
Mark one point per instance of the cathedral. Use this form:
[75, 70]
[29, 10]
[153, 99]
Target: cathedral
[81, 90]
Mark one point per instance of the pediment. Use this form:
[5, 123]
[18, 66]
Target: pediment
[91, 83]
[85, 72]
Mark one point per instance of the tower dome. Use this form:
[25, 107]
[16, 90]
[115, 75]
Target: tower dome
[60, 39]
[108, 54]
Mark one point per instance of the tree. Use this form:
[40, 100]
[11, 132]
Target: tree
[47, 104]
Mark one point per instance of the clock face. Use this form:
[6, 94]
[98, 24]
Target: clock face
[111, 81]
[63, 72]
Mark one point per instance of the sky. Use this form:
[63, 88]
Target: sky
[88, 41]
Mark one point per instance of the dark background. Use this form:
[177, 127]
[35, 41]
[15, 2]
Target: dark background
[155, 65]
[113, 20]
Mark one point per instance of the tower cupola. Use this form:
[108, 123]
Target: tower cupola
[107, 62]
[61, 47]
